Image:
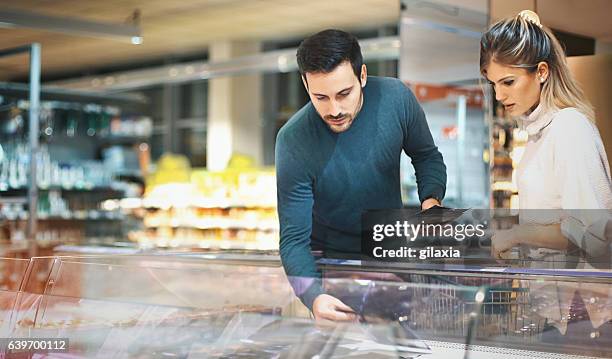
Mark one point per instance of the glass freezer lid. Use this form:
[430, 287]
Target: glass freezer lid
[115, 297]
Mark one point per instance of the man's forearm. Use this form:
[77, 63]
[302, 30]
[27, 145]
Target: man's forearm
[301, 270]
[430, 172]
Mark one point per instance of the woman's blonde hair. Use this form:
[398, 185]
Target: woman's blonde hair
[521, 41]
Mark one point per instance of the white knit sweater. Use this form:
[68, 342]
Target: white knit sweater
[564, 165]
[564, 177]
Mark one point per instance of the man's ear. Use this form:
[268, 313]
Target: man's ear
[364, 75]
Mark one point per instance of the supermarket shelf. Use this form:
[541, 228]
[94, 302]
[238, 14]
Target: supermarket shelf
[65, 189]
[80, 219]
[123, 140]
[205, 204]
[215, 224]
[96, 249]
[165, 242]
[22, 245]
[221, 205]
[90, 216]
[14, 200]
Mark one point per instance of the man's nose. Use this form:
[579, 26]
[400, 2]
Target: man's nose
[335, 108]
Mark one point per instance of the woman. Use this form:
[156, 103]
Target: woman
[564, 170]
[564, 166]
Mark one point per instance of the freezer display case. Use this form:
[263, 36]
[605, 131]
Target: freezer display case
[163, 307]
[242, 306]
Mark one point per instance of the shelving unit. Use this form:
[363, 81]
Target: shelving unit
[81, 121]
[508, 142]
[213, 211]
[34, 52]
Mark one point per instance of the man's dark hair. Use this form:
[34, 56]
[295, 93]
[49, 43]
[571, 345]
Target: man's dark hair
[325, 50]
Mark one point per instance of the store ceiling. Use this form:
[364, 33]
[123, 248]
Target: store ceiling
[189, 26]
[178, 27]
[584, 17]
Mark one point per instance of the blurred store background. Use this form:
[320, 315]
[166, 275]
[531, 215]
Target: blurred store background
[157, 119]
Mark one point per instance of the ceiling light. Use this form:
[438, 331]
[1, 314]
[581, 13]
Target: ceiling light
[72, 25]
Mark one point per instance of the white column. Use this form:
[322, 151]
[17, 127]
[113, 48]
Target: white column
[235, 118]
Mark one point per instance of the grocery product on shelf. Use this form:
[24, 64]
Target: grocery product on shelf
[84, 153]
[508, 142]
[230, 209]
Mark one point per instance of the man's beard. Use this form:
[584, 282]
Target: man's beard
[347, 117]
[347, 121]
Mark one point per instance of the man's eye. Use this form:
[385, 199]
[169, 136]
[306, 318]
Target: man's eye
[344, 94]
[320, 98]
[508, 82]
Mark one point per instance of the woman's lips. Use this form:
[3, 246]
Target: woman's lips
[509, 107]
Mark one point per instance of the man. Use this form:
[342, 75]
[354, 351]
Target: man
[340, 155]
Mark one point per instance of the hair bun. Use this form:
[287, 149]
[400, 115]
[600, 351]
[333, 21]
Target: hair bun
[531, 17]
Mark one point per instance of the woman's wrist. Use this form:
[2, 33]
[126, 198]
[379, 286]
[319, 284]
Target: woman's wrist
[516, 235]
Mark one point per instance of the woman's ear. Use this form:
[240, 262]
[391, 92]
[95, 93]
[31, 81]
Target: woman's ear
[542, 72]
[364, 75]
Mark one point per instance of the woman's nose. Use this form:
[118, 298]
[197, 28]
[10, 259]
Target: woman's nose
[499, 96]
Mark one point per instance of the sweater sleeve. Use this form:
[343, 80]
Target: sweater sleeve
[582, 171]
[295, 201]
[419, 145]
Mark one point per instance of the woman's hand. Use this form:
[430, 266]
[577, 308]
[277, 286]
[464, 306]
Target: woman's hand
[502, 242]
[533, 235]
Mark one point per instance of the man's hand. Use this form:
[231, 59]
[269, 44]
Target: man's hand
[326, 307]
[429, 202]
